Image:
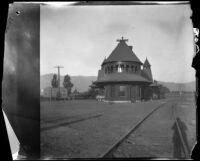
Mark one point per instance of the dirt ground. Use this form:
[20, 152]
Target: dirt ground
[87, 128]
[154, 138]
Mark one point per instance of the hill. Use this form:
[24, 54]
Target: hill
[81, 83]
[189, 86]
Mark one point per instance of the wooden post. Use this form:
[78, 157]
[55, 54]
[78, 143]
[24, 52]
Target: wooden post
[59, 79]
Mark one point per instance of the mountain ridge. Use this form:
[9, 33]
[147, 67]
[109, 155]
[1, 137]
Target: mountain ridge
[82, 83]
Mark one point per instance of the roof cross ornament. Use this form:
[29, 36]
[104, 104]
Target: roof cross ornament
[122, 40]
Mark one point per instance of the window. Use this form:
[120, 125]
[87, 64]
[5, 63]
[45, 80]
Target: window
[122, 91]
[119, 69]
[108, 69]
[111, 69]
[116, 68]
[127, 68]
[132, 68]
[122, 66]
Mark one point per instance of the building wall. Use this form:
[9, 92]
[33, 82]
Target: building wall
[122, 92]
[146, 93]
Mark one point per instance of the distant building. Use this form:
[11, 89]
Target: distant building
[50, 92]
[156, 90]
[122, 78]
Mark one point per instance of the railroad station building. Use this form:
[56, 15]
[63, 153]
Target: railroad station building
[123, 77]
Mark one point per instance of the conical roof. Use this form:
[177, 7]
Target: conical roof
[122, 52]
[104, 61]
[146, 72]
[146, 63]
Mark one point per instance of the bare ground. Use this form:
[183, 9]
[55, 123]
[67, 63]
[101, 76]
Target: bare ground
[92, 137]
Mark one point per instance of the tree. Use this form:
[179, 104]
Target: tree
[54, 81]
[67, 83]
[163, 91]
[92, 93]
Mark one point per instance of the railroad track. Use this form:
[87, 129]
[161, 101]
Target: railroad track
[62, 122]
[109, 153]
[180, 132]
[175, 116]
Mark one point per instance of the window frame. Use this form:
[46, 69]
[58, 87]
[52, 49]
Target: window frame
[122, 91]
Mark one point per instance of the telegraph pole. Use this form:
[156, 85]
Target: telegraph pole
[59, 78]
[180, 90]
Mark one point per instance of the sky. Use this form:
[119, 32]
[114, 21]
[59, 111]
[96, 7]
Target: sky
[80, 37]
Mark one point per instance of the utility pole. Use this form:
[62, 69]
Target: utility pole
[180, 90]
[59, 78]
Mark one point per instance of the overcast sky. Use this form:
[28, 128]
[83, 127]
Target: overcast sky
[80, 37]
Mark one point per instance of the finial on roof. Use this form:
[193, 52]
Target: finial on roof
[122, 40]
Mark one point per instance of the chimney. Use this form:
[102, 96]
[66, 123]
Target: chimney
[131, 47]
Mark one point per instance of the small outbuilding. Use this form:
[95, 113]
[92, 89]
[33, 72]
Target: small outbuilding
[53, 93]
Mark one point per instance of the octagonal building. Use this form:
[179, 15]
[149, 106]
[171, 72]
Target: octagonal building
[123, 77]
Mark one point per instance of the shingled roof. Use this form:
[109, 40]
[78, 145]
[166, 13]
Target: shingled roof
[104, 61]
[122, 52]
[146, 73]
[146, 63]
[121, 77]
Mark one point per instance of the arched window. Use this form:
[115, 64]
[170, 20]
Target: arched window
[111, 69]
[132, 68]
[119, 68]
[127, 68]
[108, 69]
[115, 68]
[122, 67]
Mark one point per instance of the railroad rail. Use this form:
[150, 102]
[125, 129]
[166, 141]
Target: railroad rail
[183, 143]
[109, 153]
[113, 148]
[66, 123]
